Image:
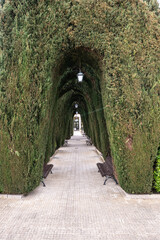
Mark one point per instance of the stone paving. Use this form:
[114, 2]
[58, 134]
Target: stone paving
[75, 205]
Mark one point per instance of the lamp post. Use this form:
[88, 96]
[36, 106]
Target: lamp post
[80, 76]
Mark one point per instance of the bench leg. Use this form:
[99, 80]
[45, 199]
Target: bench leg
[115, 180]
[105, 180]
[107, 177]
[44, 185]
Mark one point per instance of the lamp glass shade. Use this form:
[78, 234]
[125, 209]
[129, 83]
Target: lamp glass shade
[76, 105]
[80, 76]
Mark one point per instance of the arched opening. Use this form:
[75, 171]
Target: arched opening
[88, 96]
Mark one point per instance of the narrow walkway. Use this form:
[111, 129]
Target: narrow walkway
[75, 205]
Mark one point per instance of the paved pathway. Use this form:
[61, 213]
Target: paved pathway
[75, 205]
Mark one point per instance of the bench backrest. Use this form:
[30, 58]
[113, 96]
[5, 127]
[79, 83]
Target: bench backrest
[108, 166]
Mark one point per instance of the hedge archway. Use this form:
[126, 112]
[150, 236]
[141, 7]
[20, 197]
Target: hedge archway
[118, 43]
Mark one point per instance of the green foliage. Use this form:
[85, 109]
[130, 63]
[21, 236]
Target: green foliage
[157, 173]
[118, 43]
[2, 2]
[154, 6]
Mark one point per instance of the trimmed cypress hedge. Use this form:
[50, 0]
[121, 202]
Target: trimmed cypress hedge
[117, 43]
[157, 172]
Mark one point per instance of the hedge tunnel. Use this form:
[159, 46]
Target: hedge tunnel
[43, 43]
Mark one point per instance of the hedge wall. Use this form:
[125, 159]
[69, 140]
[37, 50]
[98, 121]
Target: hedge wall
[117, 43]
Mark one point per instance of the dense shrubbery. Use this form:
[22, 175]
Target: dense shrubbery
[157, 173]
[154, 6]
[118, 42]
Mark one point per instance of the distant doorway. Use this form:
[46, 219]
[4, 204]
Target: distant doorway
[77, 123]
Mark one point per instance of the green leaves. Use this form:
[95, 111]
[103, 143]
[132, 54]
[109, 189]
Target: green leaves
[157, 173]
[17, 153]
